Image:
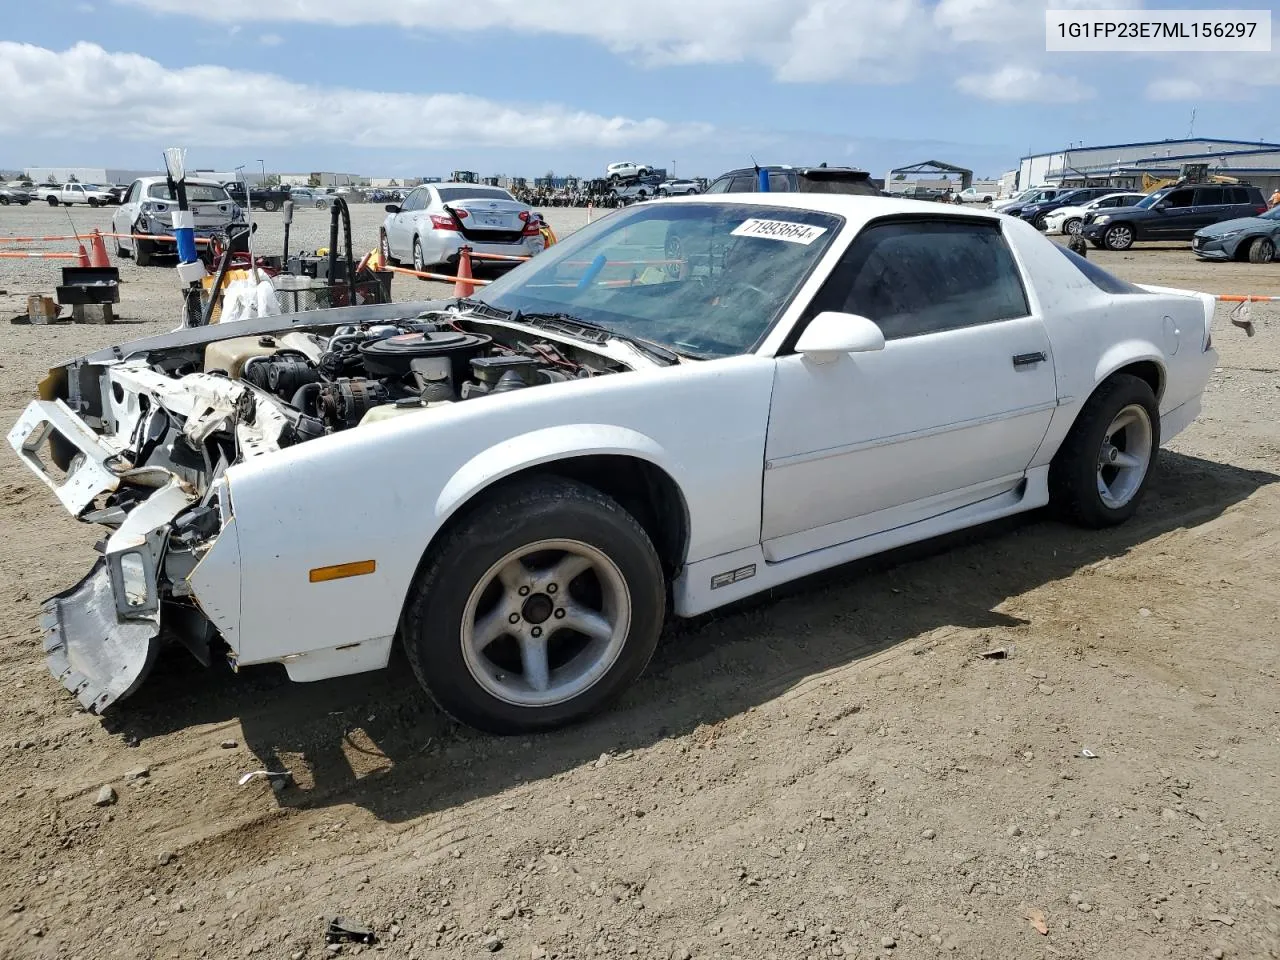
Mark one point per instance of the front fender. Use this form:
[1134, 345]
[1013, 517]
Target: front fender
[545, 446]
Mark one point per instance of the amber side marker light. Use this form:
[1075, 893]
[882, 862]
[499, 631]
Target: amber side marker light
[340, 571]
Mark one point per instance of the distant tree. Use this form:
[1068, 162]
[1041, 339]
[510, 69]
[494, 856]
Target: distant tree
[392, 182]
[549, 176]
[313, 180]
[53, 180]
[26, 179]
[271, 180]
[73, 179]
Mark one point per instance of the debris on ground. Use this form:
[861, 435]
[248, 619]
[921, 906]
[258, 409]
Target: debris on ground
[342, 930]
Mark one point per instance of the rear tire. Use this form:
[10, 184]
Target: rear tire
[418, 263]
[53, 202]
[1088, 483]
[1262, 250]
[473, 629]
[269, 206]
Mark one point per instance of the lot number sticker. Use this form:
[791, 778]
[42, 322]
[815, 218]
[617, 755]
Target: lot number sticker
[779, 230]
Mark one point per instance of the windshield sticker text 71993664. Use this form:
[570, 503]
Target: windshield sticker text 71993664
[779, 230]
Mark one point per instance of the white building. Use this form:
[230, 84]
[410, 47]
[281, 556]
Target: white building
[1123, 165]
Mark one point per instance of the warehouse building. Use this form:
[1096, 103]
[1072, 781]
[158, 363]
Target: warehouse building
[1128, 166]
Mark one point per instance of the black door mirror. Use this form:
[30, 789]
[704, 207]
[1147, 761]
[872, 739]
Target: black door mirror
[393, 208]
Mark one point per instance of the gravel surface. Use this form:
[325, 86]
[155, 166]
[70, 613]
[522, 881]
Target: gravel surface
[833, 770]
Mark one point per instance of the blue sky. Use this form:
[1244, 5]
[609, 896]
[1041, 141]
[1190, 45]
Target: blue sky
[570, 85]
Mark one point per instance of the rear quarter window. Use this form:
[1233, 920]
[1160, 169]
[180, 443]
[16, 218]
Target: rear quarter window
[1106, 282]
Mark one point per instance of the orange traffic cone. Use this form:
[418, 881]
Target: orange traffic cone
[464, 287]
[98, 248]
[84, 257]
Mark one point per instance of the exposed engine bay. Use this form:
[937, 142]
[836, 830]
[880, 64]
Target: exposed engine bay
[187, 410]
[137, 438]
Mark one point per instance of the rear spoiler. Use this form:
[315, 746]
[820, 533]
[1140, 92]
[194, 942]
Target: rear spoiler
[834, 173]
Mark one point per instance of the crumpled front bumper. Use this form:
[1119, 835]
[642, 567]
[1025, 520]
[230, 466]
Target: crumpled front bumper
[101, 635]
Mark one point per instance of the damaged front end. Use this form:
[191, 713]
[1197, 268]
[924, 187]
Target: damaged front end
[101, 636]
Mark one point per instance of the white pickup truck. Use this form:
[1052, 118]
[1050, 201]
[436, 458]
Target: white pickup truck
[70, 193]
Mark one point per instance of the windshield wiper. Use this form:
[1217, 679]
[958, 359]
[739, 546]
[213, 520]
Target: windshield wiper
[482, 309]
[592, 332]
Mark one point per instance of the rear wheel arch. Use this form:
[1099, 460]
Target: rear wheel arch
[1148, 370]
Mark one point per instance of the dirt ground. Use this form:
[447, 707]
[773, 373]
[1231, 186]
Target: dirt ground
[833, 770]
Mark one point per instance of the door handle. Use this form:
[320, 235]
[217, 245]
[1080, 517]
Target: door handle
[1023, 360]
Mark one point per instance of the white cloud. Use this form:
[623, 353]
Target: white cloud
[869, 41]
[271, 39]
[1018, 84]
[1238, 76]
[129, 96]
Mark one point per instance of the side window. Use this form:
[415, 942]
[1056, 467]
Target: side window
[1180, 198]
[1110, 202]
[743, 183]
[720, 186]
[1210, 196]
[412, 202]
[135, 192]
[1238, 195]
[917, 277]
[779, 182]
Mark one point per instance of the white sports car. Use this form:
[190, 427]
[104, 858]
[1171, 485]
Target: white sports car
[683, 404]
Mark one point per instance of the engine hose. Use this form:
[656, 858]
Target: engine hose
[305, 398]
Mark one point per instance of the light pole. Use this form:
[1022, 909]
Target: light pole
[264, 172]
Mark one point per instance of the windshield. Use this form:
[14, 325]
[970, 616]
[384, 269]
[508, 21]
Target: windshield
[196, 192]
[705, 280]
[452, 194]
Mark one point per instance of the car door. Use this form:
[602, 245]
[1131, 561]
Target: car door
[399, 233]
[125, 214]
[949, 413]
[1210, 205]
[1172, 216]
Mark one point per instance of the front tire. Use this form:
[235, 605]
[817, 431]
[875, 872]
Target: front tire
[1118, 237]
[93, 201]
[144, 251]
[1041, 223]
[1073, 227]
[542, 605]
[1101, 471]
[1262, 250]
[384, 246]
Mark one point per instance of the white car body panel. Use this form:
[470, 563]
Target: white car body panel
[485, 214]
[785, 465]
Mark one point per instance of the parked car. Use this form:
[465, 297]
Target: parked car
[512, 485]
[302, 196]
[1037, 213]
[642, 188]
[149, 206]
[14, 194]
[788, 179]
[678, 188]
[1173, 213]
[74, 193]
[268, 198]
[627, 169]
[974, 195]
[1249, 238]
[1014, 206]
[1067, 220]
[436, 220]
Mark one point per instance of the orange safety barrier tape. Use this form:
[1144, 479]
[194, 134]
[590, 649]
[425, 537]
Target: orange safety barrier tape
[24, 254]
[435, 276]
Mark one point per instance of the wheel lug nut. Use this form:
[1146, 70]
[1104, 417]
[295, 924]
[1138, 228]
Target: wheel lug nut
[552, 588]
[524, 591]
[514, 618]
[536, 631]
[560, 614]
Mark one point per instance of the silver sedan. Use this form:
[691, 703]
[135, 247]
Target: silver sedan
[436, 220]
